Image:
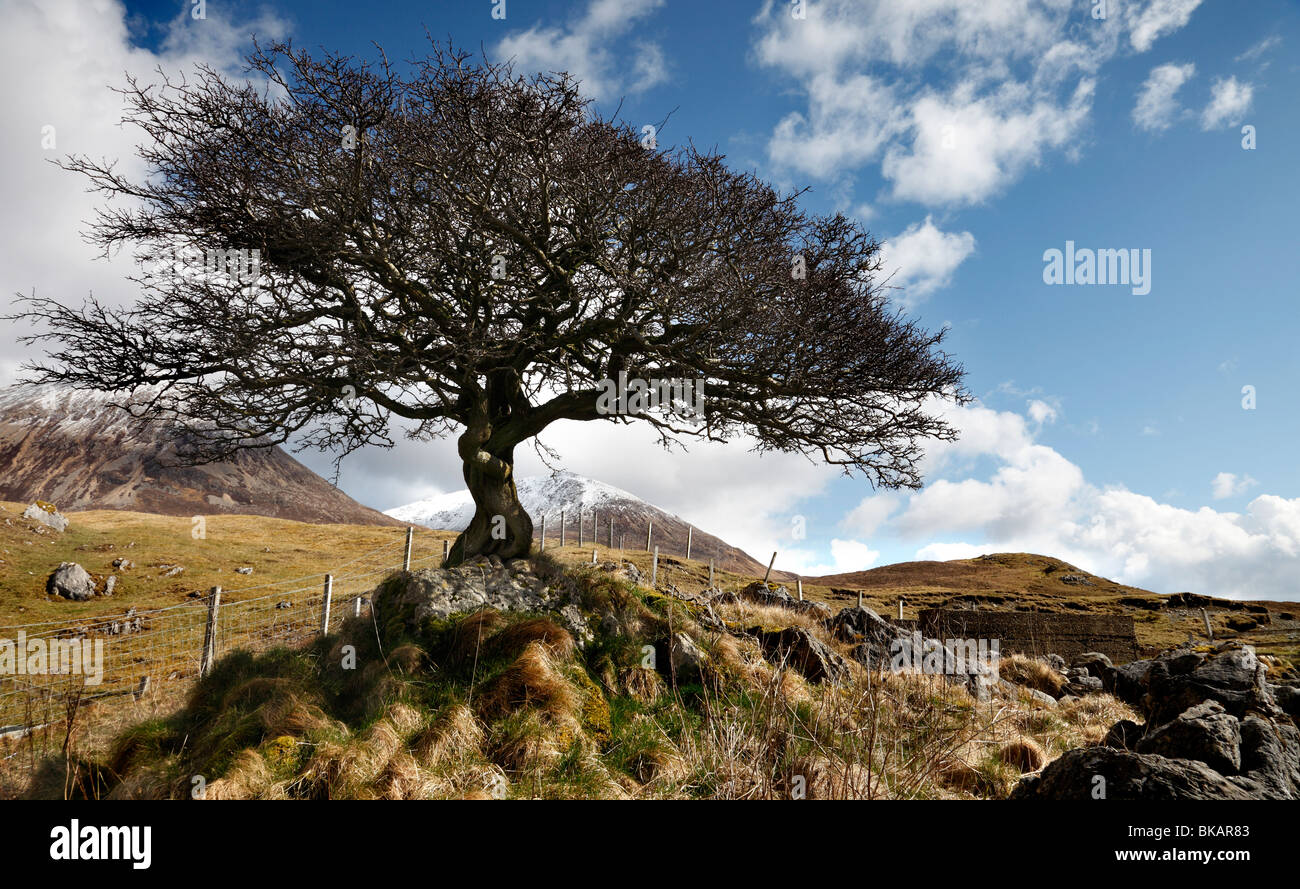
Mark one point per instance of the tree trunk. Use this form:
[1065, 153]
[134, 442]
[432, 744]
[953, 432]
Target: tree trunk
[500, 525]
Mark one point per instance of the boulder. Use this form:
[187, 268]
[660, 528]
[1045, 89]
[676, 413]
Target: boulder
[1124, 735]
[767, 594]
[686, 660]
[799, 648]
[1206, 732]
[861, 624]
[71, 581]
[1108, 773]
[1270, 758]
[1233, 676]
[51, 517]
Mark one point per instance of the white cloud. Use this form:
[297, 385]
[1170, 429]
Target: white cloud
[1156, 106]
[1229, 100]
[1033, 499]
[1259, 49]
[922, 259]
[1228, 484]
[1041, 412]
[1006, 83]
[58, 59]
[1158, 18]
[584, 49]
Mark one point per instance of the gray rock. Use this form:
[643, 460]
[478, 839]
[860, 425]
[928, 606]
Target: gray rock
[71, 581]
[56, 520]
[1206, 732]
[1270, 758]
[805, 652]
[243, 570]
[110, 583]
[767, 594]
[861, 624]
[1056, 662]
[1288, 698]
[1081, 686]
[686, 660]
[1233, 676]
[1107, 773]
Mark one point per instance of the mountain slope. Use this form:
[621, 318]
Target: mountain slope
[79, 451]
[548, 495]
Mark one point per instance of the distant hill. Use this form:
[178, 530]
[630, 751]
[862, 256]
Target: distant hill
[570, 492]
[78, 450]
[996, 573]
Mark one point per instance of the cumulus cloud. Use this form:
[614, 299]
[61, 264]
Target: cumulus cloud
[1156, 106]
[57, 61]
[1229, 484]
[1229, 100]
[922, 259]
[1007, 82]
[1033, 499]
[584, 49]
[1158, 18]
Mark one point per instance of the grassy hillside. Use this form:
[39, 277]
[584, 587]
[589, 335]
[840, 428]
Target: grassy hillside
[492, 705]
[279, 551]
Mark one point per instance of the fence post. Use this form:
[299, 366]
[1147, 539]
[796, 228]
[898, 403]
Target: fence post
[1209, 628]
[325, 605]
[542, 548]
[654, 570]
[593, 555]
[562, 523]
[900, 608]
[799, 582]
[356, 607]
[406, 559]
[446, 550]
[210, 632]
[611, 532]
[710, 574]
[768, 572]
[859, 598]
[579, 526]
[690, 532]
[649, 529]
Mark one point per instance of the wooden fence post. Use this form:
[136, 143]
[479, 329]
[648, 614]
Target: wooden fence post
[579, 526]
[562, 523]
[900, 609]
[326, 595]
[859, 598]
[446, 550]
[654, 569]
[611, 532]
[710, 574]
[593, 555]
[690, 532]
[356, 607]
[649, 529]
[799, 582]
[768, 572]
[406, 558]
[1209, 628]
[210, 632]
[542, 548]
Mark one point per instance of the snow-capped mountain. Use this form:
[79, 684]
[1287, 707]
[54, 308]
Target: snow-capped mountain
[549, 494]
[78, 450]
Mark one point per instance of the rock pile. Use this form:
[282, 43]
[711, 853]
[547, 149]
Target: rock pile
[1215, 728]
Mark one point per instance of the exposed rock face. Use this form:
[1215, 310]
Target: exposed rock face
[686, 660]
[80, 450]
[1205, 732]
[71, 581]
[769, 594]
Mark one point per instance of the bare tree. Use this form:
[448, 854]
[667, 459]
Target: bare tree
[470, 249]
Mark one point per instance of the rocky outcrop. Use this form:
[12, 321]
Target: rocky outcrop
[50, 518]
[799, 648]
[1214, 730]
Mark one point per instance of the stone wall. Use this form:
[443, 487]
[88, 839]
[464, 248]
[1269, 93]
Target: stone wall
[1037, 633]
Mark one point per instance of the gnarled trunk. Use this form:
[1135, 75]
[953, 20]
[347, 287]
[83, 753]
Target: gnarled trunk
[500, 525]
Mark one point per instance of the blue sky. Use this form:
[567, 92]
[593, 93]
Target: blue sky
[971, 137]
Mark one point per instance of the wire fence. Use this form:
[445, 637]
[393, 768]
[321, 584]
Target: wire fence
[138, 651]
